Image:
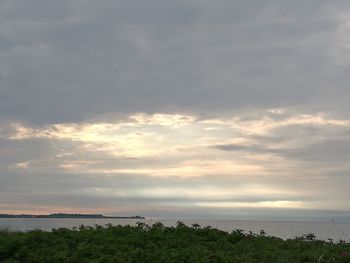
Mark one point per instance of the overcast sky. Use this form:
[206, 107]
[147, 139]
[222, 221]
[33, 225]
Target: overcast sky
[182, 108]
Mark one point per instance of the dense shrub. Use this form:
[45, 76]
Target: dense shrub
[158, 243]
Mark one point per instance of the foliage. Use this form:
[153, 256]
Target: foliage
[157, 243]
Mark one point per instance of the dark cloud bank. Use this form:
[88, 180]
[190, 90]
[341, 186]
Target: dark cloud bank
[70, 60]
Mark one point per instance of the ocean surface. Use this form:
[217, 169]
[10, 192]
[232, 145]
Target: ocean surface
[322, 230]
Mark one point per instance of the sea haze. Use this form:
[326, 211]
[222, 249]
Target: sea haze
[282, 229]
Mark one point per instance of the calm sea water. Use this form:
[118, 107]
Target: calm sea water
[322, 230]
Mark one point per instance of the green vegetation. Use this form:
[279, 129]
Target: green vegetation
[157, 243]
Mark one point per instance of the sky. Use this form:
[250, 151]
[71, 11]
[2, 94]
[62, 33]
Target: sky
[226, 109]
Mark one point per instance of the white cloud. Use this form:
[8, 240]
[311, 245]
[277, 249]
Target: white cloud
[267, 154]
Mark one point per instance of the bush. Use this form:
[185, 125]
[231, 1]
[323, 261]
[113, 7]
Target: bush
[158, 243]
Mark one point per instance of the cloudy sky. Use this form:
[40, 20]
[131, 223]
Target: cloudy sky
[182, 108]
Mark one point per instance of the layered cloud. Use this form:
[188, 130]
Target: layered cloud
[145, 163]
[169, 108]
[72, 60]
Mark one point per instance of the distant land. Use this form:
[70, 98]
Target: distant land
[62, 215]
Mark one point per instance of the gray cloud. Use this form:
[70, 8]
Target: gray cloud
[71, 60]
[328, 151]
[81, 60]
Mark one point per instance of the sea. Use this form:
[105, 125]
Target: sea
[282, 229]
